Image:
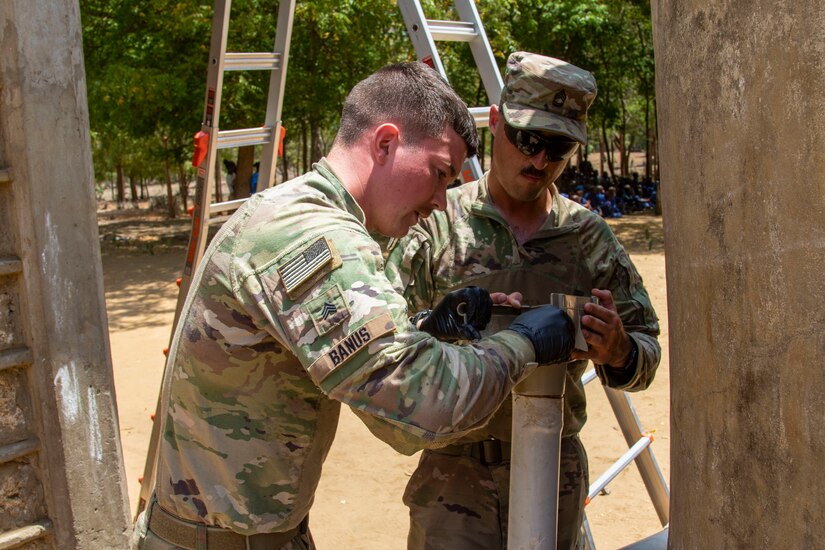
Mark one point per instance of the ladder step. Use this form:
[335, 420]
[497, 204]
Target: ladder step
[226, 206]
[5, 175]
[10, 265]
[452, 31]
[219, 220]
[249, 136]
[15, 357]
[481, 116]
[618, 466]
[16, 450]
[267, 61]
[16, 538]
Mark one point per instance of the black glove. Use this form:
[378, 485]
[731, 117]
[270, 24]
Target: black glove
[550, 330]
[460, 315]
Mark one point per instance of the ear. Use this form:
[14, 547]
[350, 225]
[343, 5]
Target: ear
[495, 114]
[385, 140]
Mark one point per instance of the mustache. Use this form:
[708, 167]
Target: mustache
[532, 171]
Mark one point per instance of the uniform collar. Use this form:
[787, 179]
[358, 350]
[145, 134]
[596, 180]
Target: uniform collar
[336, 191]
[484, 206]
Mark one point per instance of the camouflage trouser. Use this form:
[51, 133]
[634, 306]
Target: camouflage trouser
[145, 539]
[457, 503]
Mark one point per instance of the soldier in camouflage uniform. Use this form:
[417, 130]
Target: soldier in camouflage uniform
[511, 231]
[290, 314]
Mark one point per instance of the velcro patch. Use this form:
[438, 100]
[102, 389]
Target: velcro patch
[327, 310]
[307, 263]
[345, 349]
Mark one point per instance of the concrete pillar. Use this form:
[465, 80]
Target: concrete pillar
[740, 88]
[61, 470]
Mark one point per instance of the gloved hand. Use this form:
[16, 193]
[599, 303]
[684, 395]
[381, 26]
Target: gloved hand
[460, 315]
[550, 330]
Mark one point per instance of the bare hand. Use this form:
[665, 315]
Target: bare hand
[604, 333]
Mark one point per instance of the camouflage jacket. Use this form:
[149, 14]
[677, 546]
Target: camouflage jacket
[289, 314]
[574, 251]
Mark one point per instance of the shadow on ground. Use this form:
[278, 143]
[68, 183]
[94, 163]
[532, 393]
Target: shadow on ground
[640, 234]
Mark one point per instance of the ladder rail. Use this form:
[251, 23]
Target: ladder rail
[482, 51]
[275, 98]
[200, 219]
[640, 451]
[221, 61]
[646, 462]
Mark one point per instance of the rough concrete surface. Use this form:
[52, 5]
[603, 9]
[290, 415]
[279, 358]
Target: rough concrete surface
[741, 124]
[15, 407]
[10, 331]
[44, 137]
[21, 495]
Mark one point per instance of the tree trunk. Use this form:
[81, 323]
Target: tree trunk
[317, 146]
[246, 158]
[647, 137]
[608, 149]
[218, 180]
[121, 193]
[623, 146]
[183, 187]
[619, 142]
[304, 149]
[133, 189]
[170, 196]
[655, 140]
[482, 145]
[601, 156]
[285, 165]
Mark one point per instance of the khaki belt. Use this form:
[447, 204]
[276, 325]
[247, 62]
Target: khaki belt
[488, 452]
[197, 536]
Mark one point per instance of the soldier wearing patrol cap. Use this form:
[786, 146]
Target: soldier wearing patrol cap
[290, 315]
[512, 231]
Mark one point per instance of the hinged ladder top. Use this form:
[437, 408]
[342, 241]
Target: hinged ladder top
[425, 32]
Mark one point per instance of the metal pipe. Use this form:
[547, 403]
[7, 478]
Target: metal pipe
[538, 418]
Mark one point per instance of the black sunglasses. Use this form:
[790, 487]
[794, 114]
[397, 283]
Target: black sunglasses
[530, 143]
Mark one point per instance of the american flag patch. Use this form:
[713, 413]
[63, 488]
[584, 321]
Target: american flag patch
[305, 265]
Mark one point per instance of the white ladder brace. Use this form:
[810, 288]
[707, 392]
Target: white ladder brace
[268, 135]
[424, 33]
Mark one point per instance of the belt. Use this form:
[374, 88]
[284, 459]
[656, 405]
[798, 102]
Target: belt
[197, 536]
[488, 452]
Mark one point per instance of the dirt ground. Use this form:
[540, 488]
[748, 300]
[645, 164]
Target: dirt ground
[358, 504]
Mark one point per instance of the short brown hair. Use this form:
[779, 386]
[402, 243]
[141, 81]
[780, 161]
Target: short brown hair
[412, 96]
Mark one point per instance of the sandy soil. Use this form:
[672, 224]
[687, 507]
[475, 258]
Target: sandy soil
[358, 504]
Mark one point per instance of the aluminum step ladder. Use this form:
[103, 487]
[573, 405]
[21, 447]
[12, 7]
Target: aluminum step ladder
[208, 141]
[425, 32]
[639, 451]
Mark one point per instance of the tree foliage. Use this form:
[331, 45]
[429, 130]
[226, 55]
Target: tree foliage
[146, 66]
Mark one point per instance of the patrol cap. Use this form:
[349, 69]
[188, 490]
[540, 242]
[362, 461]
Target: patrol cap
[547, 94]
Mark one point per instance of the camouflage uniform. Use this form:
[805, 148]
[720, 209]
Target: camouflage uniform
[455, 501]
[290, 313]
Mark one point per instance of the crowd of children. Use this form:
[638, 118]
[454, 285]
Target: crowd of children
[610, 196]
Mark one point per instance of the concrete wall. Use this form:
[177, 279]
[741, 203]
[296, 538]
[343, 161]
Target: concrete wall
[61, 470]
[741, 96]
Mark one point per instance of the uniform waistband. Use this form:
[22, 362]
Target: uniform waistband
[489, 451]
[197, 536]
